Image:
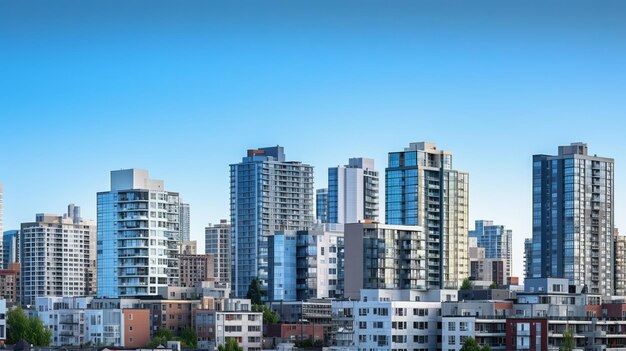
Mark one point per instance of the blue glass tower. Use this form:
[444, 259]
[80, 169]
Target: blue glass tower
[496, 240]
[573, 218]
[267, 194]
[10, 247]
[282, 267]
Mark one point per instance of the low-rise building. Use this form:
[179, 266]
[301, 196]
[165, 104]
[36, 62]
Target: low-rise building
[231, 319]
[482, 320]
[390, 320]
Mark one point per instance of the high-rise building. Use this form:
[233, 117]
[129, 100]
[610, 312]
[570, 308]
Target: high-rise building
[56, 257]
[217, 243]
[619, 275]
[267, 194]
[189, 247]
[282, 267]
[423, 189]
[496, 240]
[321, 205]
[184, 221]
[10, 247]
[138, 235]
[320, 262]
[195, 269]
[528, 257]
[383, 256]
[573, 218]
[353, 192]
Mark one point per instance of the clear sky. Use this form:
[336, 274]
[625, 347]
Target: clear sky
[183, 88]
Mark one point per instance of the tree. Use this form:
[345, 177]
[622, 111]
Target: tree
[568, 341]
[231, 345]
[161, 337]
[269, 317]
[189, 338]
[39, 335]
[467, 284]
[255, 293]
[471, 345]
[493, 285]
[19, 327]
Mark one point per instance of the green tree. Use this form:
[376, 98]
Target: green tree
[30, 329]
[255, 293]
[269, 317]
[493, 285]
[189, 338]
[467, 284]
[39, 335]
[231, 345]
[161, 337]
[471, 345]
[568, 341]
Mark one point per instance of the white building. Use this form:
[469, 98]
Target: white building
[320, 262]
[390, 320]
[57, 255]
[138, 235]
[483, 320]
[231, 319]
[184, 220]
[65, 317]
[352, 192]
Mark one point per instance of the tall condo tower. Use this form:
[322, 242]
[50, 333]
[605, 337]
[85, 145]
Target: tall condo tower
[573, 218]
[422, 189]
[267, 194]
[138, 235]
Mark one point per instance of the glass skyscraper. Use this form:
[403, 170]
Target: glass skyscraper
[422, 189]
[10, 247]
[321, 205]
[353, 192]
[267, 194]
[573, 218]
[282, 267]
[138, 235]
[496, 240]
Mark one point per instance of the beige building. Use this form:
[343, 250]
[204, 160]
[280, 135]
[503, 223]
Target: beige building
[195, 269]
[57, 256]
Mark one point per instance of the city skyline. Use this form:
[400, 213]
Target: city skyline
[489, 88]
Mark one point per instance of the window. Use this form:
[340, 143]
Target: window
[463, 326]
[451, 326]
[451, 340]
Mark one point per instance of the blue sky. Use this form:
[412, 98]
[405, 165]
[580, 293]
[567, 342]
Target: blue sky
[184, 88]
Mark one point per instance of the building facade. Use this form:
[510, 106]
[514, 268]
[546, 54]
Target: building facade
[230, 319]
[496, 240]
[320, 262]
[138, 235]
[195, 269]
[353, 192]
[382, 256]
[423, 189]
[619, 276]
[217, 241]
[321, 205]
[10, 247]
[57, 257]
[282, 267]
[10, 289]
[267, 194]
[184, 221]
[573, 218]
